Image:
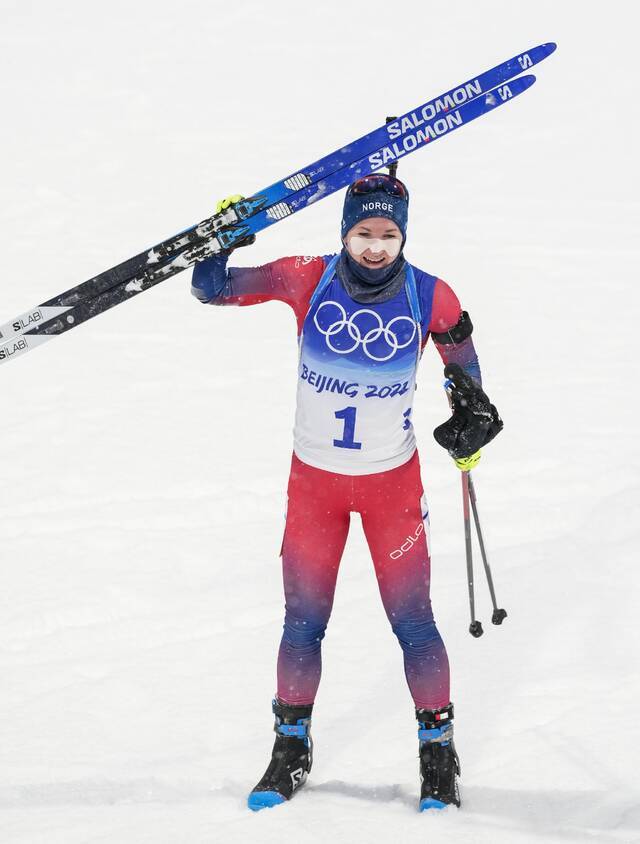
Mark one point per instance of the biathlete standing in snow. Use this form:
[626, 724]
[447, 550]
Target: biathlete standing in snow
[364, 317]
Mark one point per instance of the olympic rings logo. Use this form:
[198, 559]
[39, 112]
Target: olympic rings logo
[361, 336]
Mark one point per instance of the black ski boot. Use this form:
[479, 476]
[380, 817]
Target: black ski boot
[439, 763]
[291, 758]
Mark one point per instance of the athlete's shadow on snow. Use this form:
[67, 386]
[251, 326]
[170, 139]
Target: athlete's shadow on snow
[576, 814]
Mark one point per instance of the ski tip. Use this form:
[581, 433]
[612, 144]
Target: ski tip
[526, 81]
[501, 94]
[431, 803]
[537, 54]
[258, 800]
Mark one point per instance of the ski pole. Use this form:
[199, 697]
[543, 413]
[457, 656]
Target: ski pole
[475, 628]
[499, 615]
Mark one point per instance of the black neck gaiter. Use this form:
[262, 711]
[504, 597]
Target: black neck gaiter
[366, 285]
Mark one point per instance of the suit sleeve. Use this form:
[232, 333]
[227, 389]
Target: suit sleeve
[290, 280]
[445, 313]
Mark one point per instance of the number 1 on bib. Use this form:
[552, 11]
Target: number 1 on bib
[348, 435]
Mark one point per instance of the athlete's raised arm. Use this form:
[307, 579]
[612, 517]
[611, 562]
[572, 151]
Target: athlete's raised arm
[290, 280]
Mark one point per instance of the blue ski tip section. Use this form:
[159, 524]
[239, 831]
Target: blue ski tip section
[519, 84]
[431, 803]
[264, 800]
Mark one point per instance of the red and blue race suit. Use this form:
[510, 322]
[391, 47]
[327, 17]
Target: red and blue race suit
[354, 451]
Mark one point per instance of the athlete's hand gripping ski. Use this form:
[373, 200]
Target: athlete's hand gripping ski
[223, 205]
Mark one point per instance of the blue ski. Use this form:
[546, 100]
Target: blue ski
[420, 136]
[287, 188]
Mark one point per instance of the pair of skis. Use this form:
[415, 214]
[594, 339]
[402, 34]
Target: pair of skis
[226, 230]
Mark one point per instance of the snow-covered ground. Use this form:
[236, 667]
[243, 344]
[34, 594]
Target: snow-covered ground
[144, 456]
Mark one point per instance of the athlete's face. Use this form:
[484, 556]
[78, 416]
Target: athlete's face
[374, 243]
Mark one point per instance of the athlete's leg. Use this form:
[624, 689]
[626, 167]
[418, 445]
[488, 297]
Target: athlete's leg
[314, 539]
[390, 503]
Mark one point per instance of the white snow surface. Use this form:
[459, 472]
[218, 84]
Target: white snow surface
[145, 455]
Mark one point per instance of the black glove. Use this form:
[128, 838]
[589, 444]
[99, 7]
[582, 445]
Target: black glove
[475, 421]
